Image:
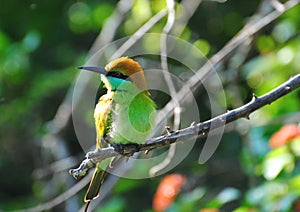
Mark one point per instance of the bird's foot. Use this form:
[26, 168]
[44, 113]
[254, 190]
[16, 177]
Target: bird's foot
[126, 149]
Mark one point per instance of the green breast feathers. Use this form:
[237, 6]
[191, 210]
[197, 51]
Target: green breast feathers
[126, 119]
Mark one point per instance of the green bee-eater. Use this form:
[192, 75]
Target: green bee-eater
[125, 114]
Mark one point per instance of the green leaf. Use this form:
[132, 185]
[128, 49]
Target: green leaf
[276, 161]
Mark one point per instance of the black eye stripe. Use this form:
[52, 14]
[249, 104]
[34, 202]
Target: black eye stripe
[118, 75]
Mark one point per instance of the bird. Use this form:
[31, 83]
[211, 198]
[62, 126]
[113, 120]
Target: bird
[125, 114]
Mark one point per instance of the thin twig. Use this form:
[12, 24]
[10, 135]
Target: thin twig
[55, 167]
[167, 76]
[189, 8]
[164, 53]
[277, 5]
[112, 25]
[174, 27]
[195, 130]
[139, 33]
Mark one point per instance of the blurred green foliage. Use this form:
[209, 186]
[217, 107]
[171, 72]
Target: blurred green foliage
[42, 43]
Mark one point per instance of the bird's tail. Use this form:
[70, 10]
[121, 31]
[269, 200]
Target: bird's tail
[94, 188]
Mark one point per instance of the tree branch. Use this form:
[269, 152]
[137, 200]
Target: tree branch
[195, 130]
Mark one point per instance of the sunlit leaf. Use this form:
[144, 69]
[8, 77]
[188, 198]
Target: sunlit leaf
[265, 44]
[276, 161]
[203, 46]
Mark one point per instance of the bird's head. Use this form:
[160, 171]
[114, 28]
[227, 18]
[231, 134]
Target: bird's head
[119, 71]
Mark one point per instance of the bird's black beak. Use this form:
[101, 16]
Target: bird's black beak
[96, 69]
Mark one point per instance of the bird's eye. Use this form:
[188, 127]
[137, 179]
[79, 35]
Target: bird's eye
[118, 74]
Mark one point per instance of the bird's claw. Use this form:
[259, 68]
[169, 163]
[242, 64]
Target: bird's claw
[126, 149]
